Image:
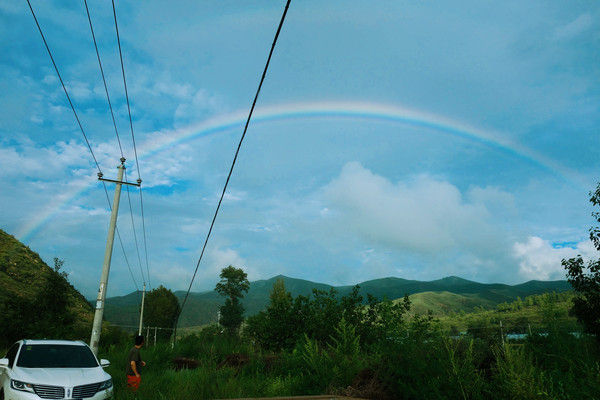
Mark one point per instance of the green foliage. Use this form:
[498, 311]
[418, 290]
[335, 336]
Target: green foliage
[47, 315]
[382, 319]
[52, 303]
[234, 283]
[517, 375]
[160, 310]
[36, 300]
[113, 336]
[586, 306]
[443, 303]
[321, 312]
[276, 328]
[586, 279]
[462, 371]
[286, 320]
[232, 315]
[422, 363]
[455, 296]
[335, 365]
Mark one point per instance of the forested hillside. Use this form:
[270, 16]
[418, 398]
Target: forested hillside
[35, 299]
[442, 297]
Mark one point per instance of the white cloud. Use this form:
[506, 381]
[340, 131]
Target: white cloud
[539, 260]
[422, 215]
[80, 91]
[173, 276]
[574, 28]
[200, 104]
[222, 258]
[31, 159]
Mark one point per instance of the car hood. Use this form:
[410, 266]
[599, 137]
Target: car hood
[67, 377]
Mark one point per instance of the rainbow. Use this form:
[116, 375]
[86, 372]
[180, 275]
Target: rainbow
[364, 111]
[163, 140]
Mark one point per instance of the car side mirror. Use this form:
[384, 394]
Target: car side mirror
[4, 362]
[104, 363]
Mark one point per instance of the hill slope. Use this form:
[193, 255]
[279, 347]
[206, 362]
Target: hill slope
[443, 296]
[23, 273]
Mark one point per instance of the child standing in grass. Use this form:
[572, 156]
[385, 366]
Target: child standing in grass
[134, 364]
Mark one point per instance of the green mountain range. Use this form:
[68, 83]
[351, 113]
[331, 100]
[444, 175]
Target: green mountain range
[442, 297]
[22, 272]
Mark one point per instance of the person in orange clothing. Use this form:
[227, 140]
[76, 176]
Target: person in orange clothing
[134, 364]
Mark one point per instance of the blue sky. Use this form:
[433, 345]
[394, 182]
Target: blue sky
[393, 138]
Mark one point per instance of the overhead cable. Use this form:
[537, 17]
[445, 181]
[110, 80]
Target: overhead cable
[103, 78]
[137, 289]
[145, 242]
[77, 117]
[119, 142]
[64, 87]
[235, 156]
[132, 138]
[126, 93]
[137, 247]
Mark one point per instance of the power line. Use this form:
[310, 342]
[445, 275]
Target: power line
[64, 87]
[121, 242]
[235, 156]
[103, 78]
[77, 117]
[126, 93]
[121, 149]
[145, 242]
[137, 247]
[139, 181]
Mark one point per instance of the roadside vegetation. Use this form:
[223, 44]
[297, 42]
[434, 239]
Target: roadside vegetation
[324, 343]
[412, 357]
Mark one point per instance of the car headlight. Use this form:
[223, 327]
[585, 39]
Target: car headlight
[22, 386]
[105, 385]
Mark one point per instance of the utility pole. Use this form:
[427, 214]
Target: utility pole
[142, 312]
[97, 327]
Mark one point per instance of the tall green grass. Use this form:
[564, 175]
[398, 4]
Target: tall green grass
[425, 363]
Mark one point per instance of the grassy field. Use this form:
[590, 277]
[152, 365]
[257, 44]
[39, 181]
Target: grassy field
[427, 361]
[455, 356]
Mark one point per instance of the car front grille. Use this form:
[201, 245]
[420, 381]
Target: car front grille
[49, 392]
[58, 392]
[83, 391]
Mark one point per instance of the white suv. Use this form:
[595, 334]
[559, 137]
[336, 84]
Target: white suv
[53, 369]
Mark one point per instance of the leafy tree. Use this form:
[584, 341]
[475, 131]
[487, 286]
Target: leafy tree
[53, 297]
[586, 279]
[16, 320]
[382, 319]
[234, 283]
[160, 310]
[323, 311]
[46, 315]
[51, 305]
[283, 322]
[352, 307]
[287, 321]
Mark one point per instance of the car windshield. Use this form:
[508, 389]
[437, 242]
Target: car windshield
[56, 356]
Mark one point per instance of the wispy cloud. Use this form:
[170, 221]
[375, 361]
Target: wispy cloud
[339, 197]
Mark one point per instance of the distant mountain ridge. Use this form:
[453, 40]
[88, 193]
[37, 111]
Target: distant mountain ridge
[22, 273]
[459, 294]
